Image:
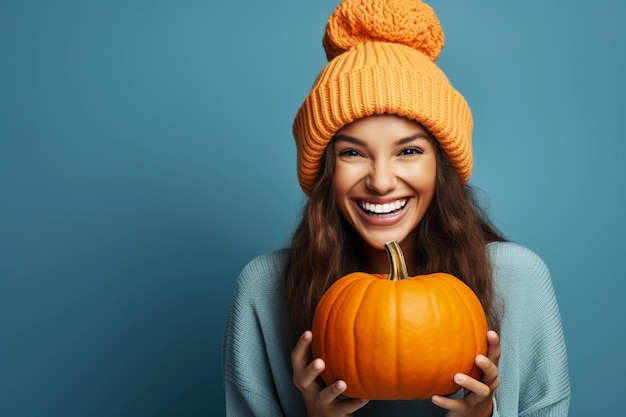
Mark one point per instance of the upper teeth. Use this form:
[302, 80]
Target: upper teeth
[383, 208]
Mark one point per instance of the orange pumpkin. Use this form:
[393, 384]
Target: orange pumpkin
[401, 337]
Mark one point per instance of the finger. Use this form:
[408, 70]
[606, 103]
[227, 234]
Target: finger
[454, 405]
[477, 393]
[348, 406]
[331, 392]
[493, 343]
[305, 373]
[490, 371]
[476, 390]
[306, 378]
[300, 356]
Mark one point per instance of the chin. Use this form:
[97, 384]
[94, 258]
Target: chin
[378, 242]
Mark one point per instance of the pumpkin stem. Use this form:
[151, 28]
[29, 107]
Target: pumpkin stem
[397, 265]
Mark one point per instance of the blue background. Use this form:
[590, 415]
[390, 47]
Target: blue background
[146, 155]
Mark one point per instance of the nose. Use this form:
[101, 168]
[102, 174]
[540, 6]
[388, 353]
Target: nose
[382, 178]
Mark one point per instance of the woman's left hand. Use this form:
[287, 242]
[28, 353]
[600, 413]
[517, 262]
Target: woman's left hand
[478, 398]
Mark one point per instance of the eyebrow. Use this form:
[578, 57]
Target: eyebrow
[357, 141]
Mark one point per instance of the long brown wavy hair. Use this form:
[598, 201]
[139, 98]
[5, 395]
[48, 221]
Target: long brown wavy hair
[451, 237]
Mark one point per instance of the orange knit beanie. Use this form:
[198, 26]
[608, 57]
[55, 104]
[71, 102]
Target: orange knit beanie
[382, 57]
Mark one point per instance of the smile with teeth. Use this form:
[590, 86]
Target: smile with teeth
[377, 209]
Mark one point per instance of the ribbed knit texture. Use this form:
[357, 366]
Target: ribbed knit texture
[382, 60]
[533, 370]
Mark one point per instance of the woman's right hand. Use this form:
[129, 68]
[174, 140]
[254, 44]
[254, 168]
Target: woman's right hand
[320, 401]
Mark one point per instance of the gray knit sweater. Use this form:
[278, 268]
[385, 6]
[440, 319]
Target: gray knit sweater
[533, 371]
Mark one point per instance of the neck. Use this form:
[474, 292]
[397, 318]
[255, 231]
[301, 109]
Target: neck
[376, 261]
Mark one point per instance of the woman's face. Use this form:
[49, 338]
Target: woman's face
[384, 179]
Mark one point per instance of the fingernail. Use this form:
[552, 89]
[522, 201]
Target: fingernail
[340, 385]
[317, 364]
[460, 378]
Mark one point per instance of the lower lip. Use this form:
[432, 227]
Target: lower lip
[384, 220]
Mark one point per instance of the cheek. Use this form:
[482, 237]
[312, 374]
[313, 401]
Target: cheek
[429, 188]
[431, 180]
[423, 178]
[341, 182]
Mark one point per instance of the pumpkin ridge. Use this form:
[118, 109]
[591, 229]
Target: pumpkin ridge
[437, 314]
[463, 292]
[349, 378]
[458, 303]
[355, 376]
[369, 292]
[437, 306]
[338, 317]
[396, 339]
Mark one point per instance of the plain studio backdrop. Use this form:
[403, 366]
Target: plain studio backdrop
[146, 156]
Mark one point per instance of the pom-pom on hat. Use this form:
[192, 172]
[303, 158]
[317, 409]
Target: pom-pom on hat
[382, 57]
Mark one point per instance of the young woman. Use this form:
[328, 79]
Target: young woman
[384, 153]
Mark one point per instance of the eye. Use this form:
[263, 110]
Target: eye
[349, 153]
[412, 151]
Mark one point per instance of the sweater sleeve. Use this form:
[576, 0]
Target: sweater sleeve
[534, 379]
[247, 370]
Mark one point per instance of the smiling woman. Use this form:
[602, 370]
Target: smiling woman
[384, 179]
[384, 148]
[146, 149]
